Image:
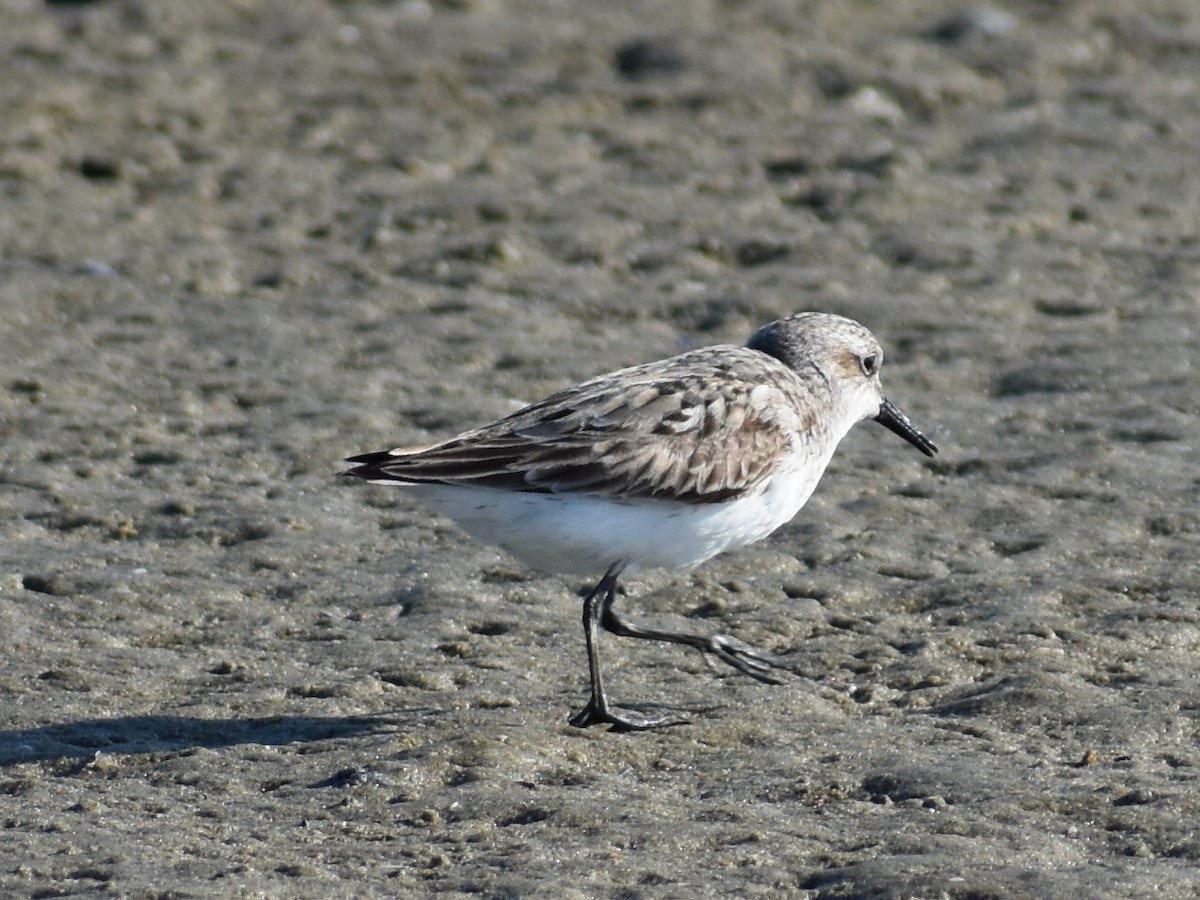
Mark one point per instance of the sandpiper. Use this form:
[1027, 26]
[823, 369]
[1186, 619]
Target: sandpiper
[665, 464]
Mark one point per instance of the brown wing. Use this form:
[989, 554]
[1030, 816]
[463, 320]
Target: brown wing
[702, 427]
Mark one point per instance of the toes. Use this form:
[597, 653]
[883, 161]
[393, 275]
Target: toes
[592, 714]
[744, 658]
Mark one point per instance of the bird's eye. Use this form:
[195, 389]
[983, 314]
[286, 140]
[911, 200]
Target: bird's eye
[869, 364]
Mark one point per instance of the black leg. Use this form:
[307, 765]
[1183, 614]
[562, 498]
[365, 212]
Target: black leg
[729, 650]
[596, 606]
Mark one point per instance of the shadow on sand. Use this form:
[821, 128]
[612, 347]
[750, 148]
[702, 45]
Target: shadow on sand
[156, 734]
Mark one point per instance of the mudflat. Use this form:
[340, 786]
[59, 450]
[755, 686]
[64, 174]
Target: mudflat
[239, 242]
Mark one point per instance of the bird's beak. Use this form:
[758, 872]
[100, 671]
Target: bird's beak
[898, 422]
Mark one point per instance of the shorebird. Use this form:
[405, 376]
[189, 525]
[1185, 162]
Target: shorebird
[664, 464]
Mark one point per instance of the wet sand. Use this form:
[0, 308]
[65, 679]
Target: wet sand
[241, 241]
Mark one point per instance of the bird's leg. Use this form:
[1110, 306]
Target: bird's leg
[598, 711]
[727, 649]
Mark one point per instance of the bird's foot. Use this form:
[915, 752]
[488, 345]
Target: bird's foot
[743, 657]
[603, 714]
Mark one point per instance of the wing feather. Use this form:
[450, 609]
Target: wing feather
[704, 427]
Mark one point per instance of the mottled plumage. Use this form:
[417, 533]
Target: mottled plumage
[662, 464]
[704, 427]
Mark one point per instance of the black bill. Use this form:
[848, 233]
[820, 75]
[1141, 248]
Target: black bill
[898, 422]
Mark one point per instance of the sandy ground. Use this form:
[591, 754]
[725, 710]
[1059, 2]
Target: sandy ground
[240, 240]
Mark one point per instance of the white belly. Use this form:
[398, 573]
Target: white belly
[585, 535]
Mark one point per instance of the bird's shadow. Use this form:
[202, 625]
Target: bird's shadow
[164, 733]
